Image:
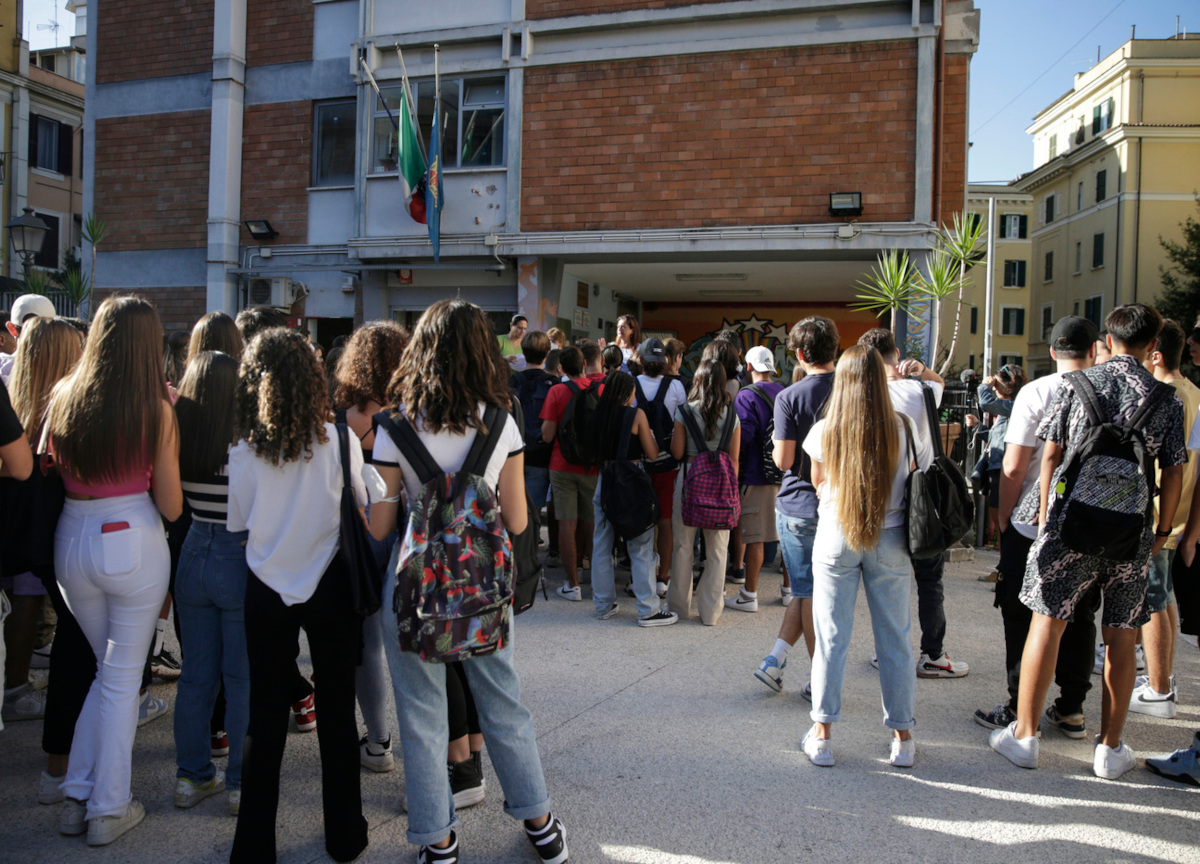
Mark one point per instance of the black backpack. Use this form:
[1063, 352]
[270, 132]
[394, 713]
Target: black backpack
[576, 419]
[627, 495]
[1105, 494]
[662, 424]
[940, 509]
[770, 469]
[532, 388]
[527, 562]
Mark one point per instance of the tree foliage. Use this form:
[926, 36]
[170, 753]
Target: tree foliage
[1180, 298]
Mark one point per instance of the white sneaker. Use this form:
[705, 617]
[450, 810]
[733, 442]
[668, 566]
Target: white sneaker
[785, 595]
[151, 708]
[903, 753]
[1140, 656]
[566, 592]
[741, 602]
[605, 614]
[72, 820]
[235, 801]
[189, 793]
[49, 789]
[1109, 763]
[941, 667]
[1022, 752]
[376, 755]
[661, 589]
[105, 829]
[23, 703]
[1098, 665]
[819, 750]
[1147, 700]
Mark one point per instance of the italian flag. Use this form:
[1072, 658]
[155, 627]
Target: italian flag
[412, 164]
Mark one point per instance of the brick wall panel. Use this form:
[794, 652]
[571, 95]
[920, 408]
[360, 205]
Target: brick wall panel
[178, 308]
[152, 39]
[535, 9]
[151, 180]
[277, 166]
[954, 136]
[279, 31]
[688, 134]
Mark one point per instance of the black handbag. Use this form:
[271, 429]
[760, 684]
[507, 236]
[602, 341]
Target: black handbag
[29, 511]
[939, 510]
[366, 580]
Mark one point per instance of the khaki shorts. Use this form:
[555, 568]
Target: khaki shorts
[573, 494]
[758, 514]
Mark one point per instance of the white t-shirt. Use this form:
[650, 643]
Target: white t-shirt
[6, 367]
[675, 397]
[1029, 407]
[908, 400]
[449, 451]
[895, 510]
[293, 513]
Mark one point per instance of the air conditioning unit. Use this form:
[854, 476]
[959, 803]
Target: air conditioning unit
[273, 291]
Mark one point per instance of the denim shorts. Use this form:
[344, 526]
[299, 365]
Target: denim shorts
[796, 536]
[1160, 589]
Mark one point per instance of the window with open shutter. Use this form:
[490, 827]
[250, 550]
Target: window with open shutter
[1097, 250]
[1101, 186]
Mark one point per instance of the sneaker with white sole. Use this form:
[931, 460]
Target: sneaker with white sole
[770, 672]
[1022, 752]
[549, 841]
[806, 691]
[1109, 763]
[218, 744]
[875, 660]
[998, 718]
[189, 793]
[741, 602]
[1147, 700]
[903, 754]
[785, 595]
[235, 801]
[1072, 725]
[150, 708]
[566, 592]
[105, 829]
[605, 614]
[166, 666]
[1182, 766]
[49, 789]
[376, 755]
[661, 618]
[72, 820]
[941, 667]
[434, 855]
[736, 577]
[23, 703]
[466, 781]
[304, 713]
[818, 750]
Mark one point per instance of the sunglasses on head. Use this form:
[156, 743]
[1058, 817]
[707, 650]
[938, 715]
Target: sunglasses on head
[1005, 374]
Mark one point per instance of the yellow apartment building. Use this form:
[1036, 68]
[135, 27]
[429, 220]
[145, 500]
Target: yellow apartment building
[1117, 167]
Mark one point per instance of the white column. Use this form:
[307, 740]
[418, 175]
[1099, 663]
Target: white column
[225, 152]
[924, 167]
[989, 288]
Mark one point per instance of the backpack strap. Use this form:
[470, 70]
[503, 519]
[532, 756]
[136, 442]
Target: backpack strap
[908, 434]
[693, 428]
[763, 395]
[730, 416]
[485, 445]
[344, 449]
[935, 426]
[626, 428]
[1087, 397]
[405, 438]
[1142, 416]
[642, 401]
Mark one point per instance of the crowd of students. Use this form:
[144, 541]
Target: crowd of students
[210, 479]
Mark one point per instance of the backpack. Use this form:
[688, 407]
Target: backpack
[1104, 490]
[661, 424]
[531, 393]
[454, 572]
[527, 563]
[576, 418]
[939, 508]
[767, 448]
[710, 487]
[627, 494]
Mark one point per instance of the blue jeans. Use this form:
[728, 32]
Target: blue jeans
[537, 481]
[837, 569]
[796, 536]
[371, 682]
[210, 594]
[641, 558]
[507, 726]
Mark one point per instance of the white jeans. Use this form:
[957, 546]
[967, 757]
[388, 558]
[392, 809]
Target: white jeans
[114, 584]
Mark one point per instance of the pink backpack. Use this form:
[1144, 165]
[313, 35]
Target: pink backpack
[711, 498]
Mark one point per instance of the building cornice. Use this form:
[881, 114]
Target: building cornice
[42, 90]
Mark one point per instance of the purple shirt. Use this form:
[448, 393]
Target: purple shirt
[755, 416]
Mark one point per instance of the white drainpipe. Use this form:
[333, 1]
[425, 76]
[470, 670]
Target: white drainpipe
[225, 152]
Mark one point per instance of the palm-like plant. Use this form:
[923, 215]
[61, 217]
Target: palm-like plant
[37, 282]
[959, 242]
[94, 231]
[76, 285]
[939, 281]
[889, 286]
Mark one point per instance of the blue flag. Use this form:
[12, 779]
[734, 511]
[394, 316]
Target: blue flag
[433, 185]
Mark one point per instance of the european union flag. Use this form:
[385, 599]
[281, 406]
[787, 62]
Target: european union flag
[433, 184]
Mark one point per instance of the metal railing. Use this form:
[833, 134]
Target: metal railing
[63, 304]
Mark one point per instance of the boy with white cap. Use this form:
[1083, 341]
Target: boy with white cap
[24, 307]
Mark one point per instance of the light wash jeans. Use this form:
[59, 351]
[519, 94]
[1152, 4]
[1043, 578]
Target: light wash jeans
[641, 558]
[210, 597]
[884, 572]
[114, 584]
[371, 682]
[507, 726]
[796, 538]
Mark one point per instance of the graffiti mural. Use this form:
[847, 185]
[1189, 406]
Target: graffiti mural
[753, 331]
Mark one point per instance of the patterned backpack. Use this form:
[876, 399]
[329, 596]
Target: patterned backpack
[711, 498]
[454, 575]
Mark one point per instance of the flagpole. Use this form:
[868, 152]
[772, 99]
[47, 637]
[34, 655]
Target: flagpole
[411, 103]
[375, 87]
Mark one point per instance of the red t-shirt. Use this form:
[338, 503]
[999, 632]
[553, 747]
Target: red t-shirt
[552, 410]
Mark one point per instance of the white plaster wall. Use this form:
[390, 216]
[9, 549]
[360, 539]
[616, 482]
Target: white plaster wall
[474, 205]
[330, 216]
[335, 26]
[601, 307]
[409, 16]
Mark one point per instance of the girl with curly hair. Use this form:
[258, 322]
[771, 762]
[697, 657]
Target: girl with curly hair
[285, 482]
[450, 375]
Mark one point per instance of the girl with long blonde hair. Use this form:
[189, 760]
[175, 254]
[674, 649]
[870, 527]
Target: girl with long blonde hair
[862, 453]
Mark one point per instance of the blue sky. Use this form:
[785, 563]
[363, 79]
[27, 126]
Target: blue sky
[1020, 40]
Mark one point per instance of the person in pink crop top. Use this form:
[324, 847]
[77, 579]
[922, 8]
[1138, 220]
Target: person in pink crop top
[114, 436]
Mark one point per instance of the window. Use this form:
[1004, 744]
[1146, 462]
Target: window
[1013, 226]
[974, 319]
[1010, 360]
[1053, 146]
[1097, 251]
[1048, 269]
[1012, 321]
[1049, 208]
[1014, 274]
[50, 145]
[1078, 256]
[1047, 320]
[971, 362]
[48, 257]
[333, 142]
[1102, 116]
[472, 115]
[1079, 197]
[1092, 310]
[1101, 186]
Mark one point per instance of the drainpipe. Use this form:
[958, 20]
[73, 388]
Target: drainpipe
[939, 145]
[1137, 205]
[225, 153]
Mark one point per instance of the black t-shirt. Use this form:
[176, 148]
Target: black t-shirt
[10, 426]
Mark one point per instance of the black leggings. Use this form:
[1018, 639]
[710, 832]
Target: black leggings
[72, 670]
[460, 705]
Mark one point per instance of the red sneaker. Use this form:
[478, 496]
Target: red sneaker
[305, 714]
[220, 744]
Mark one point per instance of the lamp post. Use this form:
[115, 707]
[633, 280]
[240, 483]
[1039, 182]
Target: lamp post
[27, 233]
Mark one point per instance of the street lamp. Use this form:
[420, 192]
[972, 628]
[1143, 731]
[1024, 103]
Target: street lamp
[27, 233]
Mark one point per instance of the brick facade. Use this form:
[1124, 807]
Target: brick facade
[277, 167]
[535, 9]
[178, 308]
[279, 31]
[749, 138]
[151, 180]
[152, 39]
[954, 136]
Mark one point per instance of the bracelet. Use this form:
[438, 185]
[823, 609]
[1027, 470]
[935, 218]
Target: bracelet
[395, 499]
[1158, 532]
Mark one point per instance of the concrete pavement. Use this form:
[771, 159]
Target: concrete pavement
[660, 747]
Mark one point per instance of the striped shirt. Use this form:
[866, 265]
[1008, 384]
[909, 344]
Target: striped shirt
[209, 500]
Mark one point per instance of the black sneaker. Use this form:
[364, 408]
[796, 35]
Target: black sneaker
[1072, 725]
[550, 840]
[999, 717]
[661, 618]
[434, 855]
[164, 665]
[466, 781]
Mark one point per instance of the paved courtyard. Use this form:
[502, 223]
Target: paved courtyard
[661, 748]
